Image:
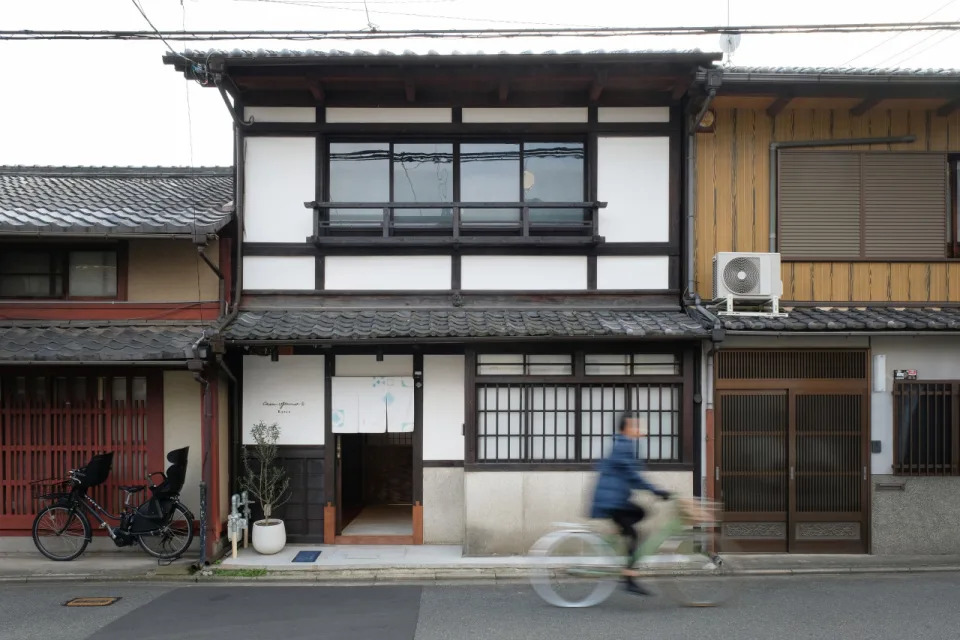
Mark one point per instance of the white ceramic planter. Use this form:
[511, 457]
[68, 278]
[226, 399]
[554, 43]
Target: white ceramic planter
[269, 539]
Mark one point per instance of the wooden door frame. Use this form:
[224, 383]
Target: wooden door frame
[793, 386]
[333, 480]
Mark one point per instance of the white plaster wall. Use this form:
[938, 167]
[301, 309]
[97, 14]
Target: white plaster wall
[279, 273]
[510, 114]
[633, 114]
[506, 511]
[367, 365]
[633, 178]
[633, 272]
[442, 505]
[280, 175]
[280, 114]
[181, 428]
[295, 380]
[934, 358]
[388, 115]
[443, 407]
[387, 273]
[491, 273]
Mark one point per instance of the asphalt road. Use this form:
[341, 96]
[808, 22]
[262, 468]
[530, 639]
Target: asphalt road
[849, 607]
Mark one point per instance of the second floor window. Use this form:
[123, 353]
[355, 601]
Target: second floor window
[54, 273]
[432, 174]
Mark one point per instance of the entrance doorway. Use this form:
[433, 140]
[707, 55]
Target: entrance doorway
[792, 441]
[376, 480]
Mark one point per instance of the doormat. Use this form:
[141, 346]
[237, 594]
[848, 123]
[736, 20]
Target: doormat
[306, 556]
[90, 602]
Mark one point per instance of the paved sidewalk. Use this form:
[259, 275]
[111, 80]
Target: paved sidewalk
[350, 564]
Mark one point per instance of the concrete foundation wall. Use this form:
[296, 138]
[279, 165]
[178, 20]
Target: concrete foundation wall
[506, 511]
[923, 518]
[443, 505]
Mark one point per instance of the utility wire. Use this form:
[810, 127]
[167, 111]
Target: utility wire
[942, 38]
[896, 35]
[206, 35]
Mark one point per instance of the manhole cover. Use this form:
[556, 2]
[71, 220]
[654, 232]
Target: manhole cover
[91, 602]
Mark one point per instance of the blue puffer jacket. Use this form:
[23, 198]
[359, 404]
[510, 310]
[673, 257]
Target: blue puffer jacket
[620, 474]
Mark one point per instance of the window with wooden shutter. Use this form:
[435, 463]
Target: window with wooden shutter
[876, 205]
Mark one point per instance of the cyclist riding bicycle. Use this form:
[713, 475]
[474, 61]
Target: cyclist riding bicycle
[621, 473]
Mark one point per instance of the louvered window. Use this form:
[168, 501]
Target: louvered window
[838, 205]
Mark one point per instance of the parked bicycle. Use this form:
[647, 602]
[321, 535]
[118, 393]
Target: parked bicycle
[161, 525]
[580, 565]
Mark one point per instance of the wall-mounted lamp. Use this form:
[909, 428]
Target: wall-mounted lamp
[879, 373]
[708, 122]
[379, 357]
[274, 355]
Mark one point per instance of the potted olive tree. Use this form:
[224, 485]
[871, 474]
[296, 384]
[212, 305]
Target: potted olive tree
[266, 481]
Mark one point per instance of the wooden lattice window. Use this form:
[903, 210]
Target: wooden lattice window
[926, 428]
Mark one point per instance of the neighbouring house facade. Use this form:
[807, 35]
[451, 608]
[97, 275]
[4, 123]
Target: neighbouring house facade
[834, 427]
[108, 279]
[455, 272]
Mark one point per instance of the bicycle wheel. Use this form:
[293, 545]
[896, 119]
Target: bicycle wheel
[700, 568]
[574, 569]
[61, 532]
[173, 539]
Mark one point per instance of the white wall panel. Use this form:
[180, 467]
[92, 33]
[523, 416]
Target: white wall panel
[387, 273]
[633, 178]
[279, 272]
[368, 365]
[365, 114]
[288, 392]
[510, 114]
[493, 273]
[443, 407]
[633, 114]
[280, 114]
[633, 272]
[280, 176]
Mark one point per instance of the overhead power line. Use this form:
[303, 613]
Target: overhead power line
[195, 35]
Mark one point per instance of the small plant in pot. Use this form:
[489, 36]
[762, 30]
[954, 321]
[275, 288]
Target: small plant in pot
[267, 482]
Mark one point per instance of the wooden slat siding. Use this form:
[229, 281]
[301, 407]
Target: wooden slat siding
[851, 281]
[819, 205]
[904, 205]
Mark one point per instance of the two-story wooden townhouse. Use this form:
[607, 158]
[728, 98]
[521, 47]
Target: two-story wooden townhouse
[108, 278]
[833, 427]
[457, 270]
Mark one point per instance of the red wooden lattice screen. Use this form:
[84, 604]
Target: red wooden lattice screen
[40, 440]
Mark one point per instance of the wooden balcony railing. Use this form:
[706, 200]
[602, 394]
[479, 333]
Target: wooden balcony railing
[449, 225]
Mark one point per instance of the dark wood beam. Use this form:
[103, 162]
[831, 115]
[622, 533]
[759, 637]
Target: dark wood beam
[679, 90]
[410, 90]
[316, 89]
[596, 87]
[778, 105]
[865, 105]
[503, 92]
[948, 108]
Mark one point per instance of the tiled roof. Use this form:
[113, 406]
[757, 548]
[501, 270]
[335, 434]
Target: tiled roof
[200, 55]
[350, 325]
[95, 342]
[114, 201]
[865, 319]
[844, 71]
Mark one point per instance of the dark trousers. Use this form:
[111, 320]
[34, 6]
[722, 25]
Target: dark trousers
[627, 519]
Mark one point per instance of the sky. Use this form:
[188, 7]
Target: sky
[116, 104]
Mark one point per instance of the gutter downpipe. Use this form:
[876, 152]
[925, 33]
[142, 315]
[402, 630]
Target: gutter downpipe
[796, 144]
[691, 180]
[709, 455]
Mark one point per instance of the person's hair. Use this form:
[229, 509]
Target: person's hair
[622, 423]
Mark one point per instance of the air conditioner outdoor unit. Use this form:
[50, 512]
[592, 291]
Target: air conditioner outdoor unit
[752, 278]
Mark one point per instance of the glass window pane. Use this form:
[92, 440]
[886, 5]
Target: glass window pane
[655, 364]
[27, 262]
[603, 364]
[553, 172]
[423, 173]
[19, 286]
[550, 365]
[493, 364]
[490, 173]
[140, 389]
[93, 274]
[359, 172]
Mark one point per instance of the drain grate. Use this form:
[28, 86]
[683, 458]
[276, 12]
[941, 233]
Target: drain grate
[91, 602]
